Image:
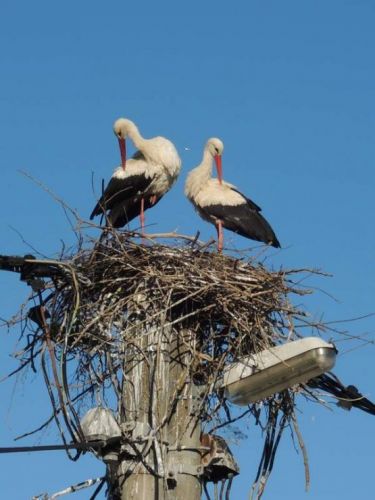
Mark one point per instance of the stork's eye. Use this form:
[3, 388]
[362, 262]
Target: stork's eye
[217, 150]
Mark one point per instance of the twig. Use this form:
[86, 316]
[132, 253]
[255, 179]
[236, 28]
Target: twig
[303, 449]
[71, 489]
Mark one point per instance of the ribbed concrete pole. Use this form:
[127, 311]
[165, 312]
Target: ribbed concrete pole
[137, 481]
[155, 374]
[184, 456]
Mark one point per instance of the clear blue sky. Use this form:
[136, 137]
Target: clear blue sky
[289, 87]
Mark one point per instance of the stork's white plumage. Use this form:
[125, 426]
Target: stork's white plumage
[140, 182]
[223, 204]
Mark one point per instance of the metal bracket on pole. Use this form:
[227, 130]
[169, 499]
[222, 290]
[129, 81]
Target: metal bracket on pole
[139, 433]
[138, 430]
[191, 470]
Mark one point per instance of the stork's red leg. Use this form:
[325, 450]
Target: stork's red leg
[219, 228]
[142, 215]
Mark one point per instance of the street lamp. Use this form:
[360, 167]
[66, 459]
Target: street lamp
[262, 374]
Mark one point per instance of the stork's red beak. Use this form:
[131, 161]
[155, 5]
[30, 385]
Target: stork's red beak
[219, 168]
[122, 145]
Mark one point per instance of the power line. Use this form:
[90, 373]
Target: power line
[53, 447]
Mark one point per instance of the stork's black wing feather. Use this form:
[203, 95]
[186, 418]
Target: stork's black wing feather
[120, 190]
[251, 204]
[126, 211]
[243, 220]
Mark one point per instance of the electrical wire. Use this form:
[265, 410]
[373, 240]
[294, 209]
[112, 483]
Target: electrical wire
[79, 446]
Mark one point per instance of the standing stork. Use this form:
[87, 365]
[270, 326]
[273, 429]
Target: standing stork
[222, 204]
[141, 181]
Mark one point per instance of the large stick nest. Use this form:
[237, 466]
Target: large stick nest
[234, 307]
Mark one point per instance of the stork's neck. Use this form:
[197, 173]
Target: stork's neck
[135, 136]
[205, 168]
[200, 175]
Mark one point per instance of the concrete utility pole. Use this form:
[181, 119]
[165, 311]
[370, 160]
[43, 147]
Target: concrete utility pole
[158, 414]
[184, 457]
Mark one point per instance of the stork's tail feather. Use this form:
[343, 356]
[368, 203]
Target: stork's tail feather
[98, 209]
[275, 243]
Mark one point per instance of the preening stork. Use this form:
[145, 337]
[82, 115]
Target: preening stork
[222, 204]
[141, 181]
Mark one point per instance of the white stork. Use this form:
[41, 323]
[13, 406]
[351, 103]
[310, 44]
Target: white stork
[140, 182]
[222, 204]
